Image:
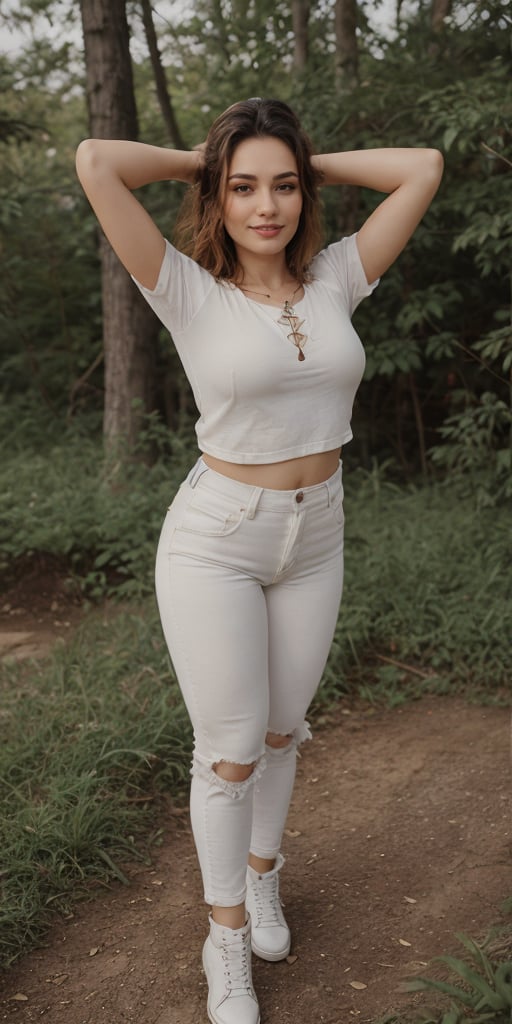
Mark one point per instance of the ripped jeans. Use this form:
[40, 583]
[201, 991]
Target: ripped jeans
[248, 584]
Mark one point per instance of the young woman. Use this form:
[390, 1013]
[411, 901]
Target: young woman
[250, 561]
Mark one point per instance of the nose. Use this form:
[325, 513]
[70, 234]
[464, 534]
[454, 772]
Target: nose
[266, 204]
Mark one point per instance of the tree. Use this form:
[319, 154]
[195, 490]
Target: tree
[439, 10]
[300, 18]
[347, 55]
[130, 329]
[162, 90]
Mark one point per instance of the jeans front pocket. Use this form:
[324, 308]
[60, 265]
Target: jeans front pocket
[210, 514]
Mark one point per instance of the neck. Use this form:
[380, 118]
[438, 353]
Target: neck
[265, 275]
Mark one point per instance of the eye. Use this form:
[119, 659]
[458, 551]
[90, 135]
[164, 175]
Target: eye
[242, 189]
[286, 186]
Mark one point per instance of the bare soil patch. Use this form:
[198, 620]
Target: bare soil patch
[39, 605]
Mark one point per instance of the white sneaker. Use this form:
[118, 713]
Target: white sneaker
[270, 935]
[227, 964]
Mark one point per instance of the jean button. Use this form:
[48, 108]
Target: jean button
[299, 496]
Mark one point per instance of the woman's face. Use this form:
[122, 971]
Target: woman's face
[263, 200]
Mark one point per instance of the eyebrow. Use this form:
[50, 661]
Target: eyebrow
[254, 177]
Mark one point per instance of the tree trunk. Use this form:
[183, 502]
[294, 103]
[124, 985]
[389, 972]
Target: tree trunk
[347, 55]
[347, 77]
[221, 30]
[300, 18]
[439, 10]
[130, 328]
[398, 15]
[162, 90]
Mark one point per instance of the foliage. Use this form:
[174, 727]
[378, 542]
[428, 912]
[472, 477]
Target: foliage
[100, 519]
[441, 307]
[483, 989]
[437, 392]
[50, 316]
[425, 586]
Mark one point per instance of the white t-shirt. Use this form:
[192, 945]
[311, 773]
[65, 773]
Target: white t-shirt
[257, 402]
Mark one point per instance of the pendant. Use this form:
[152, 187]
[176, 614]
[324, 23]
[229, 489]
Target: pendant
[290, 319]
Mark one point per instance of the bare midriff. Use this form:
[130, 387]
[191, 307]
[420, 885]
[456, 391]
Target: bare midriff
[280, 476]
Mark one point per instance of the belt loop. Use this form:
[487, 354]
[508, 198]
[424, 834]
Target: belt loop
[196, 472]
[253, 502]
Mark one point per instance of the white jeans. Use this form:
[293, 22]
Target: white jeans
[248, 583]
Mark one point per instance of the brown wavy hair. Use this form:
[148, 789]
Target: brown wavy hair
[200, 229]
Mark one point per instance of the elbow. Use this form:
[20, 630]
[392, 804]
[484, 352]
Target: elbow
[86, 159]
[434, 164]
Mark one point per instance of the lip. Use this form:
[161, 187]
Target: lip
[267, 230]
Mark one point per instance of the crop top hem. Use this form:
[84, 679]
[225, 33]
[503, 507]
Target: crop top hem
[266, 458]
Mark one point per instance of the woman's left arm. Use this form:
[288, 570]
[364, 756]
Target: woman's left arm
[411, 178]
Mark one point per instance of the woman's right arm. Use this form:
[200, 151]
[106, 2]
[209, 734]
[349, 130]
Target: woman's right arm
[108, 172]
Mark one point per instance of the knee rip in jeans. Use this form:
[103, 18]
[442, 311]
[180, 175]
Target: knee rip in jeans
[207, 769]
[278, 742]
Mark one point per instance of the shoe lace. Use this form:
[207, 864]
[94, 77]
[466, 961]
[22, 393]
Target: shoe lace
[268, 904]
[236, 964]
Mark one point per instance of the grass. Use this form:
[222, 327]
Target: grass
[90, 739]
[99, 520]
[93, 737]
[427, 603]
[478, 987]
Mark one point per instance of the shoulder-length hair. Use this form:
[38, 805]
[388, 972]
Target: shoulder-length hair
[201, 232]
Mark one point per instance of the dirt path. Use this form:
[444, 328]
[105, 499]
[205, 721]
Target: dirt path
[398, 837]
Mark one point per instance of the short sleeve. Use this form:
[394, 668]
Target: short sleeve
[180, 291]
[340, 266]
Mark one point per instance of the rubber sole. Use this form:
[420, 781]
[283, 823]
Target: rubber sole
[272, 958]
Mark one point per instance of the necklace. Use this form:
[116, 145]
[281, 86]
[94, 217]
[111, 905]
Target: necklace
[287, 319]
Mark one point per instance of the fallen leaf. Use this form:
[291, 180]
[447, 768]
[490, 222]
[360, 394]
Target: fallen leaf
[20, 998]
[357, 984]
[59, 980]
[292, 832]
[384, 965]
[94, 950]
[408, 899]
[291, 959]
[404, 943]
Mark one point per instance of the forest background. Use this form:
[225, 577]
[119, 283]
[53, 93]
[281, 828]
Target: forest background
[96, 421]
